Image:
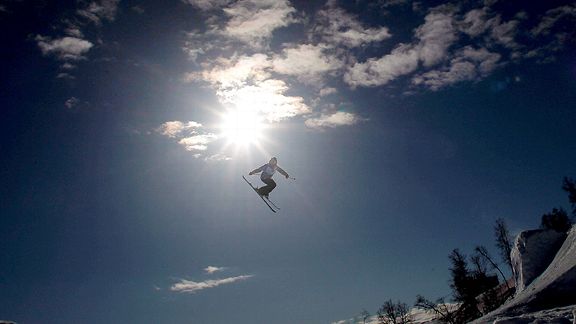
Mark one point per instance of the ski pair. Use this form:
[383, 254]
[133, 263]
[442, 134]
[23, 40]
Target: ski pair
[266, 200]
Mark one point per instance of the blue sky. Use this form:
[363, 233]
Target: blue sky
[409, 128]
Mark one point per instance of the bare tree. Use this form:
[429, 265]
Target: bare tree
[393, 313]
[483, 253]
[440, 308]
[364, 315]
[569, 185]
[503, 242]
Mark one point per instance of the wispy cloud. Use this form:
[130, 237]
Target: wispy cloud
[327, 91]
[213, 269]
[218, 157]
[246, 83]
[65, 48]
[336, 119]
[191, 135]
[454, 43]
[72, 102]
[96, 11]
[435, 37]
[187, 286]
[254, 21]
[554, 17]
[74, 46]
[469, 64]
[197, 142]
[376, 72]
[208, 4]
[337, 27]
[309, 63]
[175, 128]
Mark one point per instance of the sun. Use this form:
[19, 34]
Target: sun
[242, 127]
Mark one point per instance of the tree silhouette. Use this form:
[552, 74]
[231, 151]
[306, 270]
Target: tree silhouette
[443, 312]
[503, 242]
[393, 313]
[557, 220]
[569, 185]
[482, 252]
[364, 315]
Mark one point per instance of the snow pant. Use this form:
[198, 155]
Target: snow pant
[270, 185]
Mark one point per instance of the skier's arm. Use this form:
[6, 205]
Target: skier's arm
[257, 170]
[282, 172]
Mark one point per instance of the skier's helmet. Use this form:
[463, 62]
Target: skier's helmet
[274, 161]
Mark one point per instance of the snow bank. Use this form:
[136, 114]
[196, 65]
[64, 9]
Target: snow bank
[554, 289]
[532, 253]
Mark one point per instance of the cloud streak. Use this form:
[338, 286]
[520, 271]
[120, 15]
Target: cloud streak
[187, 286]
[336, 119]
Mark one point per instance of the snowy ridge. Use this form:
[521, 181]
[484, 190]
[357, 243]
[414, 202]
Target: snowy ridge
[553, 293]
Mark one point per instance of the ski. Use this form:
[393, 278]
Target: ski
[272, 203]
[263, 199]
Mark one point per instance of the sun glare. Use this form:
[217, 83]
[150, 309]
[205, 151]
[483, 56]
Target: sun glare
[242, 127]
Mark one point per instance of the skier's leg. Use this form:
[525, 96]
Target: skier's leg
[270, 185]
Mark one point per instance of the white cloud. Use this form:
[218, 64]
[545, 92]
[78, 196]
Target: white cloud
[337, 27]
[68, 66]
[469, 64]
[197, 142]
[175, 128]
[187, 286]
[72, 102]
[552, 17]
[336, 119]
[190, 135]
[308, 62]
[478, 22]
[213, 269]
[327, 91]
[436, 36]
[254, 21]
[246, 83]
[475, 22]
[218, 157]
[66, 48]
[208, 4]
[96, 11]
[267, 98]
[504, 33]
[375, 72]
[64, 75]
[237, 72]
[74, 31]
[392, 3]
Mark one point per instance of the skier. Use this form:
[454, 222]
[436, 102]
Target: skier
[266, 176]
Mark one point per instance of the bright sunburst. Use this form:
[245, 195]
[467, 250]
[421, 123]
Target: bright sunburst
[241, 127]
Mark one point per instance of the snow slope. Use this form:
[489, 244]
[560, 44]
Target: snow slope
[552, 291]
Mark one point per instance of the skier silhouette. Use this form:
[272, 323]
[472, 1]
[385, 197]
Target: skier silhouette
[268, 170]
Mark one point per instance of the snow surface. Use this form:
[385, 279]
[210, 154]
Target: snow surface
[418, 316]
[548, 294]
[550, 298]
[532, 253]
